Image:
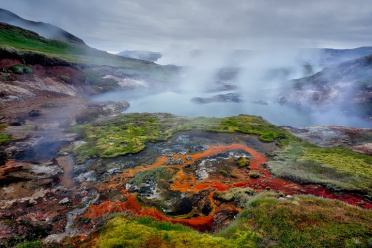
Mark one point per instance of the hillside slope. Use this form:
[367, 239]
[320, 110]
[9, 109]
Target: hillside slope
[145, 55]
[43, 29]
[27, 42]
[335, 56]
[347, 86]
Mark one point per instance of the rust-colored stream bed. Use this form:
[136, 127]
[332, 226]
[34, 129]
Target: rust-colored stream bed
[185, 181]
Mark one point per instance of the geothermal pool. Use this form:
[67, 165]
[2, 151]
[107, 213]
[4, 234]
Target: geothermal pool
[180, 104]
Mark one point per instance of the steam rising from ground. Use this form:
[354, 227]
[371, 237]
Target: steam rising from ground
[256, 76]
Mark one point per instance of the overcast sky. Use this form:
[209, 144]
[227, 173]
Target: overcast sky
[158, 25]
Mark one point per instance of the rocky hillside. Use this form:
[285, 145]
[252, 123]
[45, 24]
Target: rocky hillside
[336, 56]
[347, 86]
[43, 29]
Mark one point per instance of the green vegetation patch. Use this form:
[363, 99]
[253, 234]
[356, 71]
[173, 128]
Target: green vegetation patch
[267, 221]
[121, 231]
[304, 221]
[239, 195]
[128, 133]
[32, 244]
[21, 69]
[335, 168]
[243, 162]
[253, 125]
[4, 138]
[340, 159]
[94, 79]
[157, 174]
[65, 79]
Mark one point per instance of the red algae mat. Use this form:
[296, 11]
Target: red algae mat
[186, 182]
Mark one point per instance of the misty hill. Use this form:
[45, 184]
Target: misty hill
[144, 55]
[335, 56]
[43, 29]
[26, 46]
[346, 86]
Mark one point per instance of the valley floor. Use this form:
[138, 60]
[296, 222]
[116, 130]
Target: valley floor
[75, 172]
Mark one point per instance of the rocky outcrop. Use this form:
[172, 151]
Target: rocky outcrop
[27, 57]
[333, 136]
[221, 98]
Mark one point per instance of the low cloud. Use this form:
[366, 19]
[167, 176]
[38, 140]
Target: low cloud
[158, 25]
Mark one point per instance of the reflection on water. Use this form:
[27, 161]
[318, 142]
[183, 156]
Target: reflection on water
[180, 104]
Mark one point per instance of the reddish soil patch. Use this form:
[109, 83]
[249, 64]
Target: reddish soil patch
[9, 62]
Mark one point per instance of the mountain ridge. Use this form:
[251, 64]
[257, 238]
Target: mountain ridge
[46, 30]
[143, 55]
[347, 85]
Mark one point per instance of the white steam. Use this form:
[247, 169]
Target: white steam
[256, 77]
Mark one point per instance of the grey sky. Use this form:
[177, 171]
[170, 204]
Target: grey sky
[158, 25]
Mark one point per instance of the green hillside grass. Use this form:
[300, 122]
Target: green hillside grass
[28, 41]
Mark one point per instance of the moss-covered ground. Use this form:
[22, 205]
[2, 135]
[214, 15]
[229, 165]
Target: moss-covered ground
[301, 221]
[4, 138]
[128, 133]
[267, 221]
[335, 168]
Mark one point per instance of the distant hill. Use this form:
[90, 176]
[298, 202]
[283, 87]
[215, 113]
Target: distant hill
[347, 85]
[144, 55]
[336, 56]
[43, 29]
[30, 48]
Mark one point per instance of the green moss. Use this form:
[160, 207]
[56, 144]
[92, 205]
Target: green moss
[239, 195]
[94, 79]
[2, 127]
[253, 125]
[223, 173]
[340, 159]
[156, 174]
[335, 168]
[121, 231]
[4, 138]
[243, 162]
[32, 244]
[128, 133]
[65, 79]
[21, 69]
[302, 220]
[254, 174]
[266, 222]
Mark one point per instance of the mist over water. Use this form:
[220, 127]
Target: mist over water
[254, 76]
[180, 104]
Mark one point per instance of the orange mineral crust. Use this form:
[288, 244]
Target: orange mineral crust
[186, 182]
